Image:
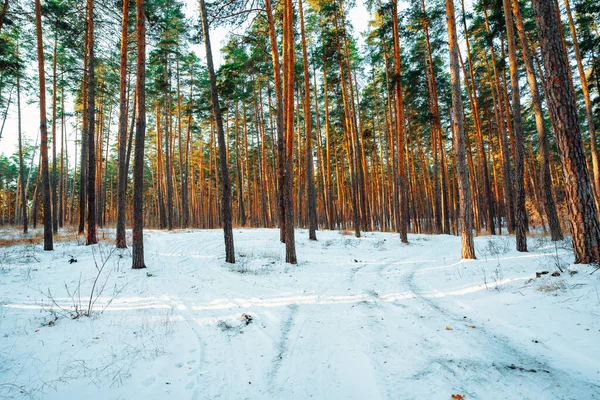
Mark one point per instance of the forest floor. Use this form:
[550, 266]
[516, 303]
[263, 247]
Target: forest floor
[366, 318]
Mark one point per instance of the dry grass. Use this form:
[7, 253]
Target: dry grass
[549, 287]
[13, 236]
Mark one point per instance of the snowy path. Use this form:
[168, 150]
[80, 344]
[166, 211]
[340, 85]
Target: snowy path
[365, 318]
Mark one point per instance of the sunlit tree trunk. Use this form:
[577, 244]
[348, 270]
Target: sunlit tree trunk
[279, 120]
[310, 179]
[465, 216]
[583, 219]
[483, 162]
[507, 185]
[589, 112]
[520, 211]
[544, 154]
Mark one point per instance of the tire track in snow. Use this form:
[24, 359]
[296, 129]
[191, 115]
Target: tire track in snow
[499, 346]
[282, 348]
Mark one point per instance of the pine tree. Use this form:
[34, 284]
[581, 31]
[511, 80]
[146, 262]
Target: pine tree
[583, 219]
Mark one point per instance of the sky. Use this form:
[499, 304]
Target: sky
[30, 107]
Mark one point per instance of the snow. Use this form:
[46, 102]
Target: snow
[366, 318]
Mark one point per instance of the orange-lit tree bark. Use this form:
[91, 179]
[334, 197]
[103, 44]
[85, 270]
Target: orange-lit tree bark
[464, 192]
[583, 219]
[310, 178]
[589, 112]
[279, 120]
[483, 160]
[507, 186]
[545, 180]
[520, 211]
[436, 129]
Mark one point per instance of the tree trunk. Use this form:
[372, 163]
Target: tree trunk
[84, 145]
[122, 173]
[520, 211]
[310, 177]
[288, 101]
[140, 136]
[545, 180]
[168, 133]
[589, 112]
[223, 168]
[507, 184]
[48, 244]
[64, 174]
[477, 119]
[91, 123]
[279, 110]
[21, 166]
[54, 172]
[583, 219]
[465, 217]
[403, 198]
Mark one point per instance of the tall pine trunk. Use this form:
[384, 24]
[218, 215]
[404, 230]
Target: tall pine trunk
[223, 168]
[401, 179]
[464, 192]
[518, 179]
[288, 101]
[122, 172]
[91, 125]
[589, 112]
[310, 177]
[583, 219]
[279, 120]
[54, 144]
[20, 133]
[48, 244]
[544, 153]
[140, 137]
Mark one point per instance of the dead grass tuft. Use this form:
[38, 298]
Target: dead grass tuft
[13, 236]
[549, 287]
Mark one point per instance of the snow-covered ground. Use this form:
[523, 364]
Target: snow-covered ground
[364, 318]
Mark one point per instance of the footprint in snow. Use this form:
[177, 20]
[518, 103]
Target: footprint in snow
[179, 365]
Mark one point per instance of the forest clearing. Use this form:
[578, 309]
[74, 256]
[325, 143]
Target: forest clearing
[355, 319]
[332, 199]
